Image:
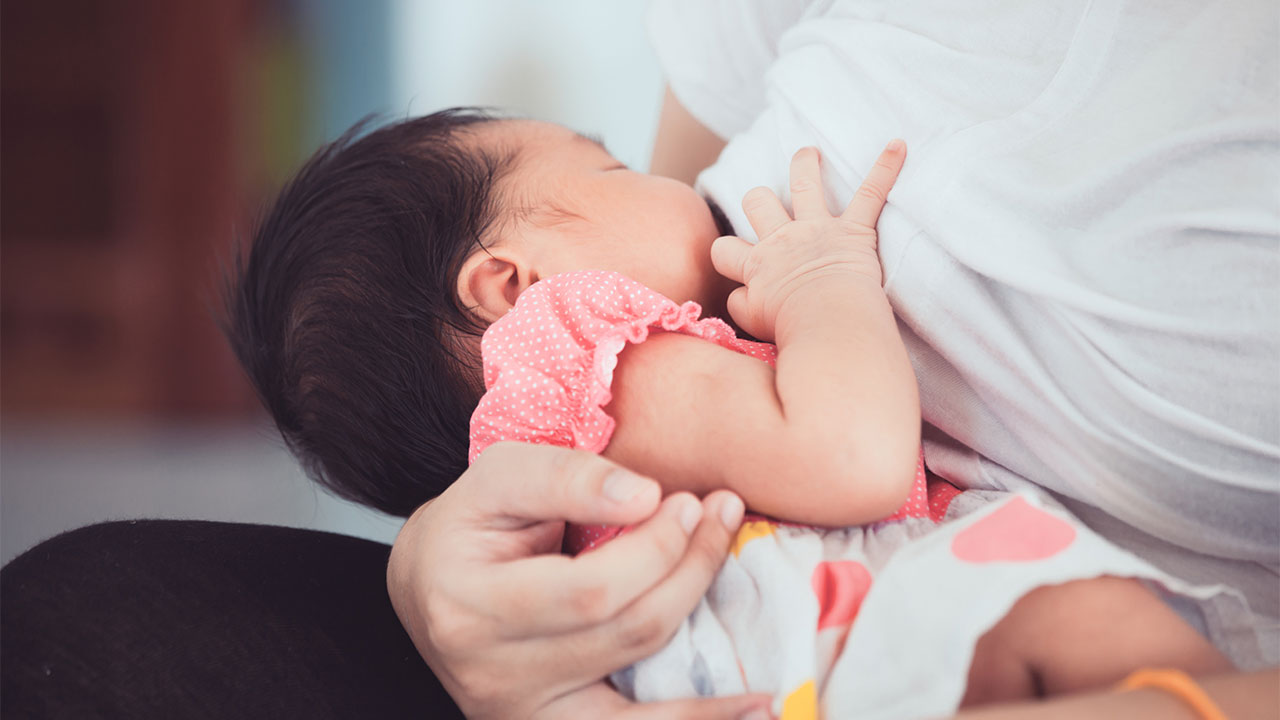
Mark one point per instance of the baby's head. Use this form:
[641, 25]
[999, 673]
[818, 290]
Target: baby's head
[358, 309]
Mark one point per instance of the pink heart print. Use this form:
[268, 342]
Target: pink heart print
[840, 587]
[1017, 532]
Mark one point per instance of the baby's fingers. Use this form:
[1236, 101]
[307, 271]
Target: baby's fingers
[764, 211]
[729, 257]
[869, 200]
[807, 199]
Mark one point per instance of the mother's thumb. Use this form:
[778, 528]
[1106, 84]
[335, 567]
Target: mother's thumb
[535, 483]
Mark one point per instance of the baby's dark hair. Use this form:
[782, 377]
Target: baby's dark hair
[345, 313]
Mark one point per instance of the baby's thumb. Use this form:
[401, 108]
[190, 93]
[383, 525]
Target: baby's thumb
[739, 307]
[729, 257]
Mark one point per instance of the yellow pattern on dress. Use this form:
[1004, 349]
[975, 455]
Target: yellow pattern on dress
[801, 704]
[750, 531]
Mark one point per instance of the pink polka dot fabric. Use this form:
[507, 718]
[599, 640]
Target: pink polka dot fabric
[548, 364]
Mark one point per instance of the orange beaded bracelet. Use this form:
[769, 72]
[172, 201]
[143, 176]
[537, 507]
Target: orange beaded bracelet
[1178, 683]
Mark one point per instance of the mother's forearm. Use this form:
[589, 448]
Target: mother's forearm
[683, 146]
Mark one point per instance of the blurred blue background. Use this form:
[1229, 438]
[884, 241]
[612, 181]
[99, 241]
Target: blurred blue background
[139, 138]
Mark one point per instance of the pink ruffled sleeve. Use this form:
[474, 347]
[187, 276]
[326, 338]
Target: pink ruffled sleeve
[548, 364]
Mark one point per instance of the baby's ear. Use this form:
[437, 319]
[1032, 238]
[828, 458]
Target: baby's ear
[489, 285]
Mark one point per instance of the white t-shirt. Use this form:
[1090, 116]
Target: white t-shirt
[1083, 249]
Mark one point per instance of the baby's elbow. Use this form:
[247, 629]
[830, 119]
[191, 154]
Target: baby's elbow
[890, 481]
[867, 487]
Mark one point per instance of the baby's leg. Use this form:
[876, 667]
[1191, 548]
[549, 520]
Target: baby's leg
[1083, 634]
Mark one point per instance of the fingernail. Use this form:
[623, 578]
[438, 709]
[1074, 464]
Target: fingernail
[758, 713]
[895, 145]
[731, 510]
[690, 514]
[623, 487]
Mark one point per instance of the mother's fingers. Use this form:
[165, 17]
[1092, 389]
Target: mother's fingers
[870, 198]
[599, 700]
[638, 629]
[551, 594]
[643, 627]
[735, 707]
[515, 485]
[808, 202]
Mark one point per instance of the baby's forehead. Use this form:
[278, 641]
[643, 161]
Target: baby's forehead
[518, 137]
[533, 152]
[540, 156]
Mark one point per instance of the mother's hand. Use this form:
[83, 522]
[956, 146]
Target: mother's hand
[514, 629]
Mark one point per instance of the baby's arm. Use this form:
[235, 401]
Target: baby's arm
[832, 436]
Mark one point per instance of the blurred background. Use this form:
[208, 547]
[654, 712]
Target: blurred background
[140, 138]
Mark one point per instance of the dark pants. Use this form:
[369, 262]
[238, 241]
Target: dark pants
[188, 619]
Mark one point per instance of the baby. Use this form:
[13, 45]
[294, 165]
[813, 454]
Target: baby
[603, 297]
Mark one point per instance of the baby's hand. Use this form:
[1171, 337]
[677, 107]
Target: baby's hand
[812, 247]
